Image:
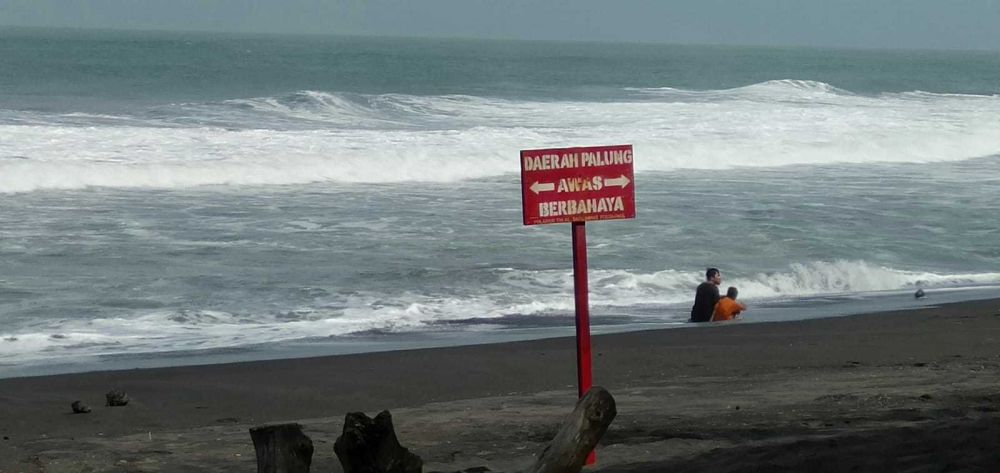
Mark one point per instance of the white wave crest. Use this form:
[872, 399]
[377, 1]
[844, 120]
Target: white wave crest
[819, 278]
[849, 277]
[785, 90]
[519, 293]
[321, 137]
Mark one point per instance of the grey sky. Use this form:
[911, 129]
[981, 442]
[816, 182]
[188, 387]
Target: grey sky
[949, 24]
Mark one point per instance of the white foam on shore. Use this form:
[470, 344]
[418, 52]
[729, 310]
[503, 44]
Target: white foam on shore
[801, 280]
[322, 137]
[611, 292]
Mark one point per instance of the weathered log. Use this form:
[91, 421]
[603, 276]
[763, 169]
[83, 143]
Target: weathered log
[579, 434]
[282, 448]
[370, 446]
[474, 469]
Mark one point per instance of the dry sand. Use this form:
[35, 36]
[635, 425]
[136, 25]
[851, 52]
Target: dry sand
[909, 391]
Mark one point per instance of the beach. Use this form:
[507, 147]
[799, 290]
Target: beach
[238, 229]
[912, 390]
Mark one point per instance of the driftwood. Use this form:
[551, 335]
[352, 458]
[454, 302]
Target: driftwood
[370, 446]
[579, 434]
[282, 448]
[475, 469]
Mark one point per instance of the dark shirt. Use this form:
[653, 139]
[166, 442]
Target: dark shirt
[704, 302]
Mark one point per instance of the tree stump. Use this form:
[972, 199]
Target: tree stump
[370, 446]
[282, 448]
[579, 434]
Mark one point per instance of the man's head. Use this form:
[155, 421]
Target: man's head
[713, 276]
[732, 292]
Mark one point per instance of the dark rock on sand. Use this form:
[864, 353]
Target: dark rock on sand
[370, 446]
[918, 294]
[116, 398]
[79, 407]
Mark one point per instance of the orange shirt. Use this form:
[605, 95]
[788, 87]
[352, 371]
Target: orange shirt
[727, 309]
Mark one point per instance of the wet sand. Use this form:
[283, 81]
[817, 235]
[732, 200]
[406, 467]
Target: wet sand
[915, 391]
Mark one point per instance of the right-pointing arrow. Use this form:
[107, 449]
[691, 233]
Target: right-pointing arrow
[620, 181]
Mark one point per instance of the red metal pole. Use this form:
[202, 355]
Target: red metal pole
[583, 371]
[582, 307]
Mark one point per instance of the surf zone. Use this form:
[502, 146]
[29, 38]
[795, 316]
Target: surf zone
[561, 208]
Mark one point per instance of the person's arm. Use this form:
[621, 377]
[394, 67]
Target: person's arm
[741, 306]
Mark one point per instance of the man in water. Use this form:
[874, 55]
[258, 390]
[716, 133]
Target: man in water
[728, 308]
[706, 296]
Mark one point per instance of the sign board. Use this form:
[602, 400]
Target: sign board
[577, 184]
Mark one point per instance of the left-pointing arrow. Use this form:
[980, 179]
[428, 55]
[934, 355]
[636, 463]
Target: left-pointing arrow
[542, 187]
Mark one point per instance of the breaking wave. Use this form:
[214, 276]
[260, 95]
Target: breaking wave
[312, 136]
[540, 295]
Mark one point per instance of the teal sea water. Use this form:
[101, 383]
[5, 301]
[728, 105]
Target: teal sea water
[172, 198]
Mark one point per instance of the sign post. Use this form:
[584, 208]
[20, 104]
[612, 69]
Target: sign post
[577, 185]
[580, 290]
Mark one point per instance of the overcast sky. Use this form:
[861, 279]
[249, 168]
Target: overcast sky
[933, 24]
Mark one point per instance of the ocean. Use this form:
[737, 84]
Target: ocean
[180, 198]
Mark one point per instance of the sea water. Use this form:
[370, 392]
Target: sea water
[173, 198]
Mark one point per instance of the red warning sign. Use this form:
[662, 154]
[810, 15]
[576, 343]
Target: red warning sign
[577, 184]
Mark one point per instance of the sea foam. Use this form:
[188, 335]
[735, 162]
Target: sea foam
[315, 136]
[169, 330]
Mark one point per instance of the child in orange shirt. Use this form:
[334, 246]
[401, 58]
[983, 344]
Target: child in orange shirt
[727, 308]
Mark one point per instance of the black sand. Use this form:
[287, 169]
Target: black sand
[914, 391]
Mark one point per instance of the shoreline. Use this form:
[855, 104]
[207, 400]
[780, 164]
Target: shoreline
[760, 312]
[907, 368]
